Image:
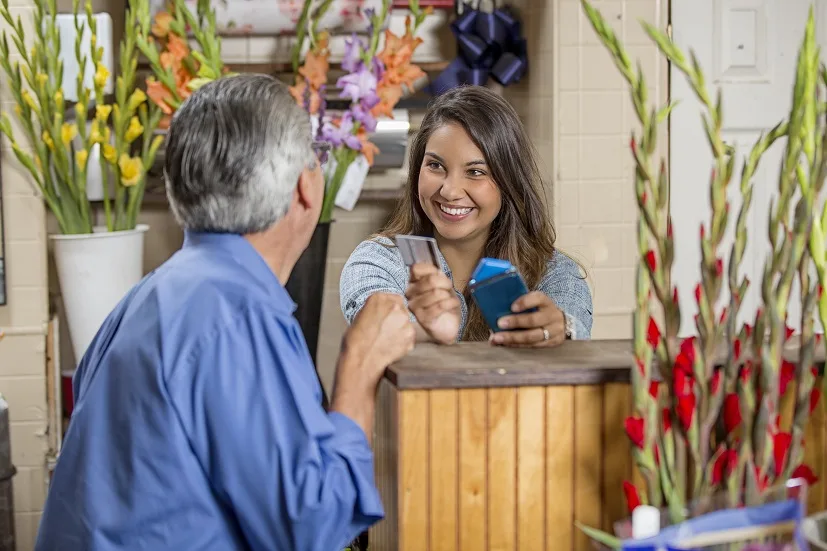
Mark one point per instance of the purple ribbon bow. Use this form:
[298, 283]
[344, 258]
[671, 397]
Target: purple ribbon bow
[490, 45]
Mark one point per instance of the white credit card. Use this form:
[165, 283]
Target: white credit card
[416, 249]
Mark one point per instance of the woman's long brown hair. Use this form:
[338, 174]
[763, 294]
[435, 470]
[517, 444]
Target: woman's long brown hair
[522, 232]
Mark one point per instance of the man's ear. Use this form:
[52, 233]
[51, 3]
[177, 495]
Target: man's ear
[304, 189]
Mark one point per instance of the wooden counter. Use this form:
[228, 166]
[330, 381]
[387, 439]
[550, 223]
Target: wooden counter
[483, 448]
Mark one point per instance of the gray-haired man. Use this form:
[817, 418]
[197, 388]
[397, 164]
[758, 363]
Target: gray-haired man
[198, 423]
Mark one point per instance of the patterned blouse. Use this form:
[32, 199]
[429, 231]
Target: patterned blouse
[375, 267]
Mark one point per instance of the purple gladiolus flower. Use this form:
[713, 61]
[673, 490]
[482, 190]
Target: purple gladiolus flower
[370, 13]
[361, 113]
[343, 134]
[357, 85]
[353, 54]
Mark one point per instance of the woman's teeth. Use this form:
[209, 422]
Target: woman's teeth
[455, 212]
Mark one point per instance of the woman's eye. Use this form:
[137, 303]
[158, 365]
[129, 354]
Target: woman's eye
[476, 173]
[433, 165]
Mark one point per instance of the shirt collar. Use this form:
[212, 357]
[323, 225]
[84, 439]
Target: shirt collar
[246, 256]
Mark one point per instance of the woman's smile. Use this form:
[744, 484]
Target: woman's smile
[452, 213]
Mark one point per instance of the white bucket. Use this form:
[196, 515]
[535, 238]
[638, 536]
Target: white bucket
[96, 270]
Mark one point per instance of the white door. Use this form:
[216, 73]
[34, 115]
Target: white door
[749, 49]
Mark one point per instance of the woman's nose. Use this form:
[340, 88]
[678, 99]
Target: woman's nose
[451, 190]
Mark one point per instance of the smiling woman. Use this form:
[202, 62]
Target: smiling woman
[475, 186]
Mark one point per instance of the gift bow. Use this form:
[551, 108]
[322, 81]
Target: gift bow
[490, 45]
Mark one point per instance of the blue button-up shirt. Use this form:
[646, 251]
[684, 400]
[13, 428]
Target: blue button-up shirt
[198, 423]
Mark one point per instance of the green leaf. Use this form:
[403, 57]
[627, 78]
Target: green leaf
[600, 536]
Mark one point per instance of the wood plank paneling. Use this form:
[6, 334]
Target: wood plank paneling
[531, 469]
[588, 463]
[414, 459]
[513, 468]
[473, 445]
[502, 468]
[617, 403]
[559, 468]
[443, 472]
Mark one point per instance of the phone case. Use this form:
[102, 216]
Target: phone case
[494, 296]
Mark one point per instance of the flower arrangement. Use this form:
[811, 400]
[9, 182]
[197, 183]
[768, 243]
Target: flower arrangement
[374, 83]
[177, 69]
[59, 142]
[706, 420]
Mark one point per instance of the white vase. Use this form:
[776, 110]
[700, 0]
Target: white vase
[96, 270]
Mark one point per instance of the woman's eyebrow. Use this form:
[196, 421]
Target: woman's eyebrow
[475, 162]
[435, 156]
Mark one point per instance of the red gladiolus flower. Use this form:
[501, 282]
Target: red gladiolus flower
[686, 410]
[725, 463]
[789, 333]
[640, 365]
[762, 482]
[703, 232]
[667, 420]
[654, 386]
[632, 495]
[719, 267]
[786, 375]
[683, 383]
[715, 382]
[746, 372]
[815, 394]
[635, 430]
[686, 356]
[643, 198]
[675, 295]
[805, 472]
[651, 260]
[732, 412]
[653, 334]
[736, 349]
[780, 446]
[820, 291]
[633, 145]
[698, 292]
[669, 228]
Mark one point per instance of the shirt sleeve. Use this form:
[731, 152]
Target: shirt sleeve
[374, 267]
[567, 287]
[294, 476]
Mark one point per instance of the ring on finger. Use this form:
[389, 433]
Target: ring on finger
[546, 334]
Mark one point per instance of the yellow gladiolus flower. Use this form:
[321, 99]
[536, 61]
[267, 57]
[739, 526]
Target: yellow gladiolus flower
[96, 136]
[134, 131]
[29, 100]
[68, 132]
[81, 157]
[102, 112]
[47, 139]
[109, 153]
[131, 169]
[101, 75]
[18, 110]
[42, 79]
[59, 99]
[136, 99]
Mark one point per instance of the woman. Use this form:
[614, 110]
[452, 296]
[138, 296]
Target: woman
[474, 185]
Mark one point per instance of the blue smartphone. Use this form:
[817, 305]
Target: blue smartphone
[495, 294]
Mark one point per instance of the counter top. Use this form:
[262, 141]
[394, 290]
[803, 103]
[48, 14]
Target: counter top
[480, 365]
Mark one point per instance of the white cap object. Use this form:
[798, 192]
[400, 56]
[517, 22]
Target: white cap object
[645, 522]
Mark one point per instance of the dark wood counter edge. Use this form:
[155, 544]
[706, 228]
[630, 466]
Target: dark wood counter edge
[479, 365]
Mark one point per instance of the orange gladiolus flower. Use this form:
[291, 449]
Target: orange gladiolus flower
[369, 149]
[389, 96]
[158, 93]
[160, 28]
[177, 46]
[315, 69]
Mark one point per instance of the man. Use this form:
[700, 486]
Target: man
[198, 424]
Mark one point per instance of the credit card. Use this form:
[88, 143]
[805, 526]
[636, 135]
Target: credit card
[416, 249]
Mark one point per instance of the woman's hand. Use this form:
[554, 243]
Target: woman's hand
[544, 328]
[434, 303]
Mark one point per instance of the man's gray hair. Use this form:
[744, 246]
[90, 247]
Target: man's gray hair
[234, 152]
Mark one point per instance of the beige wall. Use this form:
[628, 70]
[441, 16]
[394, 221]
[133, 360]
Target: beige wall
[577, 111]
[22, 352]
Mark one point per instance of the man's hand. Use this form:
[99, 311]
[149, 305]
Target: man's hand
[381, 334]
[432, 299]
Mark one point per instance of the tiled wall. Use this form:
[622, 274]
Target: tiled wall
[22, 351]
[594, 207]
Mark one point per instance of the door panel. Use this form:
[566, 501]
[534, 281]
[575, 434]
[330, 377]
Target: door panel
[748, 48]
